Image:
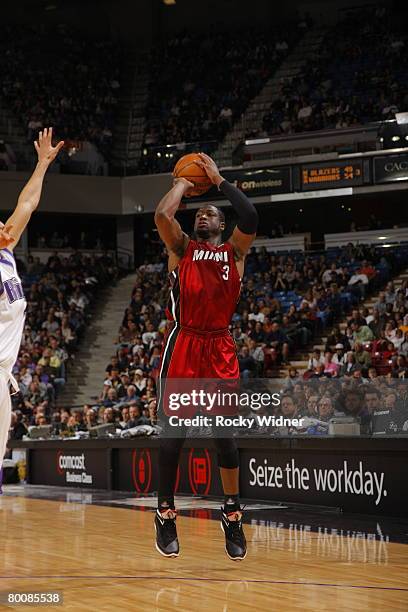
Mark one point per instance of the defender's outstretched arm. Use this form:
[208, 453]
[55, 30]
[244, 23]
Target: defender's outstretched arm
[30, 196]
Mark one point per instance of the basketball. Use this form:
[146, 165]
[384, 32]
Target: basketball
[188, 168]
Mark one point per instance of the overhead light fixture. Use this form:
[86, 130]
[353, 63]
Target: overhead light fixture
[256, 141]
[169, 2]
[402, 118]
[395, 138]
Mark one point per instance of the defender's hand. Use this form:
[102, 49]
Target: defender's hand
[187, 185]
[46, 152]
[5, 238]
[210, 168]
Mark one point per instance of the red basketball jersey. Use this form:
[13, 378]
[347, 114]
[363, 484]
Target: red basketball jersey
[205, 287]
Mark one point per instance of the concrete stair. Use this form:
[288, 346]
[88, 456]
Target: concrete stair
[251, 120]
[130, 121]
[85, 375]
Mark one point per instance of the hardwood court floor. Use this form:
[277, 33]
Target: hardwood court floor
[103, 558]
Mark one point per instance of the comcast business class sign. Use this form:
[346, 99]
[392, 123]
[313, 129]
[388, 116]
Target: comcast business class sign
[73, 467]
[69, 467]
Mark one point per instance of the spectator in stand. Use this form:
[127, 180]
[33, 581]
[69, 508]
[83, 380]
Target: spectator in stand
[362, 357]
[136, 417]
[257, 354]
[349, 366]
[17, 428]
[279, 341]
[247, 364]
[111, 398]
[110, 418]
[361, 333]
[325, 409]
[403, 350]
[316, 359]
[291, 380]
[339, 355]
[79, 422]
[139, 382]
[330, 367]
[125, 416]
[91, 417]
[152, 408]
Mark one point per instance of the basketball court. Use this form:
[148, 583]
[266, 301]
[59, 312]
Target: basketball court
[97, 549]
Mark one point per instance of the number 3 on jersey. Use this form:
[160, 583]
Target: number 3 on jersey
[226, 270]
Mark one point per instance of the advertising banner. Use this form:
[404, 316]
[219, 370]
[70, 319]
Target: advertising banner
[137, 470]
[254, 182]
[391, 168]
[355, 482]
[68, 467]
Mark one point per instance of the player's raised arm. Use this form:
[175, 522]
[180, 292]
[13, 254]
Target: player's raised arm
[245, 231]
[169, 228]
[30, 196]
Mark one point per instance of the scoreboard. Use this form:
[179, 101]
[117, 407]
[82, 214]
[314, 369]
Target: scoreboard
[326, 175]
[313, 179]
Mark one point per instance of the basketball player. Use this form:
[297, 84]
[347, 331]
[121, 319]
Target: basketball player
[12, 301]
[204, 292]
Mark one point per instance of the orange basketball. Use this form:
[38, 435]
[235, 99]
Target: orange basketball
[187, 168]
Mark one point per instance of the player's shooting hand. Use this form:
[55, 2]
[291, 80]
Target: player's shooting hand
[210, 168]
[46, 152]
[187, 185]
[5, 237]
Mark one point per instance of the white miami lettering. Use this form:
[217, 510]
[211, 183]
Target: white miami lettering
[208, 255]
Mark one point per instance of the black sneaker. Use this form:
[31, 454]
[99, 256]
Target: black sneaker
[166, 533]
[235, 542]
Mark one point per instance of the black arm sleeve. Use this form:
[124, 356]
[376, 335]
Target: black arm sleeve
[248, 217]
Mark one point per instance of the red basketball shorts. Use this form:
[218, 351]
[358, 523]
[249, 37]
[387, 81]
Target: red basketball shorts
[189, 354]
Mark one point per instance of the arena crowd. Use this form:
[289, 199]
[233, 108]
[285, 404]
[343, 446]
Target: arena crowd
[203, 104]
[288, 303]
[80, 99]
[60, 294]
[358, 76]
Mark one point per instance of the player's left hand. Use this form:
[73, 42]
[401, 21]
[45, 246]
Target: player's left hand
[210, 167]
[46, 152]
[5, 237]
